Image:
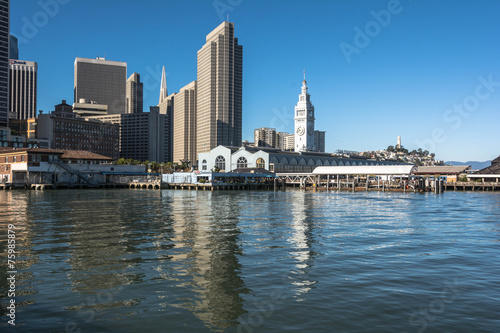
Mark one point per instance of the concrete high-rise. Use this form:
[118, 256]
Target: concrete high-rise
[23, 89]
[319, 141]
[265, 137]
[102, 82]
[134, 94]
[219, 90]
[4, 62]
[184, 124]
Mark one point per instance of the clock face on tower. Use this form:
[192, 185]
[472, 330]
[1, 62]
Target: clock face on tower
[310, 130]
[301, 130]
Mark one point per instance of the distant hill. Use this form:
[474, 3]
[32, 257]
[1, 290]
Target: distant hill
[475, 165]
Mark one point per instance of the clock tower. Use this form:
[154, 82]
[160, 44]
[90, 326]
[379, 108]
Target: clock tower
[304, 120]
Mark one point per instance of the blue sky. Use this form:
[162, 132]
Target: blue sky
[427, 70]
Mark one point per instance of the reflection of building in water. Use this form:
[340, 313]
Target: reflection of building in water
[206, 224]
[98, 247]
[302, 239]
[16, 211]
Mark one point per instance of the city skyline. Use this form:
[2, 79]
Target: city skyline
[425, 71]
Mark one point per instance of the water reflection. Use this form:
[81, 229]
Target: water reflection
[302, 239]
[206, 226]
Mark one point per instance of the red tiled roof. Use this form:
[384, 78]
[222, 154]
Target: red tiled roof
[83, 155]
[65, 154]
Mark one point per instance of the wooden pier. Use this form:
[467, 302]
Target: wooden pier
[472, 186]
[220, 186]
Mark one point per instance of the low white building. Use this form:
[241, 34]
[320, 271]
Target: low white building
[228, 159]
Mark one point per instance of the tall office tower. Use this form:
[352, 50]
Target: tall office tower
[304, 121]
[23, 87]
[4, 62]
[165, 109]
[13, 48]
[134, 94]
[219, 96]
[319, 141]
[265, 137]
[184, 124]
[102, 82]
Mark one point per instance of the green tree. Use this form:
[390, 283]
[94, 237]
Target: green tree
[390, 149]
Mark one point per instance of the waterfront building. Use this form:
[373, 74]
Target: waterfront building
[449, 173]
[275, 160]
[184, 124]
[68, 131]
[488, 174]
[13, 48]
[23, 89]
[219, 91]
[142, 136]
[25, 166]
[103, 82]
[134, 94]
[4, 62]
[265, 137]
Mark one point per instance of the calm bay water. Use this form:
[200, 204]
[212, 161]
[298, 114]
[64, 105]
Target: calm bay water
[180, 261]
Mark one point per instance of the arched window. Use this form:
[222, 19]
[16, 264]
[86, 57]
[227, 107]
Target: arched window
[341, 163]
[274, 160]
[284, 160]
[326, 163]
[242, 162]
[347, 163]
[204, 165]
[318, 162]
[293, 160]
[310, 162]
[302, 161]
[261, 163]
[220, 162]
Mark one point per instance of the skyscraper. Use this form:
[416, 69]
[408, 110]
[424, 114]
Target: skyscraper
[219, 91]
[304, 121]
[134, 94]
[184, 124]
[4, 62]
[101, 81]
[23, 89]
[165, 109]
[13, 48]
